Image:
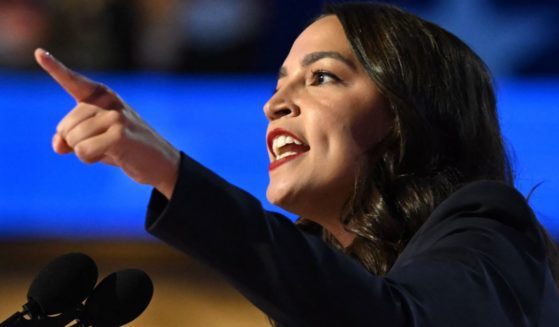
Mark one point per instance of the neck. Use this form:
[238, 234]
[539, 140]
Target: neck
[340, 233]
[336, 229]
[333, 224]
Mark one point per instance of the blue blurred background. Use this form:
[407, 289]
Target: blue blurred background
[199, 72]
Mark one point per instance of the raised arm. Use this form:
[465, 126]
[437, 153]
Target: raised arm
[103, 128]
[478, 261]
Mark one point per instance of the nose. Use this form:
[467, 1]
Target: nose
[279, 106]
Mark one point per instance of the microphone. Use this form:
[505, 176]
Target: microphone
[59, 287]
[118, 299]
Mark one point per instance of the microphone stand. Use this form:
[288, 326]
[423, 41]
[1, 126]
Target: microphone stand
[13, 320]
[18, 319]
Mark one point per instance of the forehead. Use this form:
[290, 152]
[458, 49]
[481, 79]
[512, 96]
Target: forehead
[325, 34]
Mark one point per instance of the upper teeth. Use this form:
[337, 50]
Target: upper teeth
[282, 140]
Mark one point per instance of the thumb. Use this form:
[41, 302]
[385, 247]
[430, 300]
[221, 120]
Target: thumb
[78, 86]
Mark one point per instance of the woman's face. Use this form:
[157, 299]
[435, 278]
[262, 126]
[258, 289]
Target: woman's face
[325, 114]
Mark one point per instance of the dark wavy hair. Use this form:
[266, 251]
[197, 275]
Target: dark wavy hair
[445, 129]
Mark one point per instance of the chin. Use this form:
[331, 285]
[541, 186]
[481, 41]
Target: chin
[275, 197]
[282, 198]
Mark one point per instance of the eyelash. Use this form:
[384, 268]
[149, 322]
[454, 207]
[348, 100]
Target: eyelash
[317, 74]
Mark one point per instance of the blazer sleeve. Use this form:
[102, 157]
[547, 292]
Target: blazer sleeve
[298, 280]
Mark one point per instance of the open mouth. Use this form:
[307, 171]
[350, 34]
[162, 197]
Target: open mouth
[283, 146]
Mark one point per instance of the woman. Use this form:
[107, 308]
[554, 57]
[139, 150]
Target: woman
[383, 137]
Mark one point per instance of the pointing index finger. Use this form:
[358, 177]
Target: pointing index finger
[77, 85]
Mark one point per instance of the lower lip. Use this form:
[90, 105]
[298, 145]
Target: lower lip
[276, 163]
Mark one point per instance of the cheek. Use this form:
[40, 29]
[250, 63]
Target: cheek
[351, 125]
[328, 126]
[370, 128]
[364, 133]
[343, 138]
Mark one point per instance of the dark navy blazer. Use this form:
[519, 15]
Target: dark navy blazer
[478, 260]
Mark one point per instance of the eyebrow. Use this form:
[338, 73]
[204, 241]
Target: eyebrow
[316, 56]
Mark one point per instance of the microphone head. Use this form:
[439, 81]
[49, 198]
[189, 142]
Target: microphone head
[119, 298]
[63, 283]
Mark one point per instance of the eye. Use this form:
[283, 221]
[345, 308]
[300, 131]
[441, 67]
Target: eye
[320, 77]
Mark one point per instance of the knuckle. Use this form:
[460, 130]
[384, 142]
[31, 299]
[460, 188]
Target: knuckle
[63, 125]
[74, 135]
[70, 140]
[83, 153]
[119, 132]
[115, 117]
[115, 137]
[99, 91]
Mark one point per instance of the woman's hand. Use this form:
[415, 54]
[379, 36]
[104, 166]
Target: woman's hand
[102, 127]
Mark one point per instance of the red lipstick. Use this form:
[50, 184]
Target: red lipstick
[276, 163]
[298, 149]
